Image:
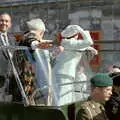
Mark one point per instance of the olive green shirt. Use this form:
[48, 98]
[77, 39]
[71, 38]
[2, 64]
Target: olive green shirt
[91, 110]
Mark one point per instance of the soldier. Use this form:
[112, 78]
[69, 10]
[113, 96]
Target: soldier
[101, 90]
[112, 106]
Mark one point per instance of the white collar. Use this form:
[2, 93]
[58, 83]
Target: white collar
[5, 33]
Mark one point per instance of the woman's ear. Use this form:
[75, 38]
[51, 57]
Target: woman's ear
[10, 25]
[41, 33]
[96, 89]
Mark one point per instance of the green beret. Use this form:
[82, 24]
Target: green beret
[101, 80]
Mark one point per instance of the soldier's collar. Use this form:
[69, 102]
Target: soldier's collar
[94, 102]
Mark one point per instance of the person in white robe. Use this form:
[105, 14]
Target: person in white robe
[64, 72]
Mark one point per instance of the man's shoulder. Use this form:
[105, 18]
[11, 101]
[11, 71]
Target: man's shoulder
[86, 103]
[91, 105]
[85, 112]
[11, 36]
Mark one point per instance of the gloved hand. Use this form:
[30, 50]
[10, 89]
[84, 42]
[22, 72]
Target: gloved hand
[92, 50]
[57, 50]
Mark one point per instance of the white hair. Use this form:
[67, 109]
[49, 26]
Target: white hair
[36, 24]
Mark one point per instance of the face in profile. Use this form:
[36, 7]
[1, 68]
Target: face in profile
[105, 93]
[5, 22]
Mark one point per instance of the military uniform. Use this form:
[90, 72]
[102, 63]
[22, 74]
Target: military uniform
[91, 110]
[112, 106]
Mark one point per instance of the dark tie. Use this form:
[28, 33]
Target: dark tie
[5, 39]
[5, 43]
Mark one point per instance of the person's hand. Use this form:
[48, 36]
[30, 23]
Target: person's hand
[61, 48]
[92, 50]
[45, 44]
[57, 50]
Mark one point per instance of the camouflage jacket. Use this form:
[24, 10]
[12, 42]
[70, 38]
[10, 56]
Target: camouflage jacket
[91, 110]
[28, 38]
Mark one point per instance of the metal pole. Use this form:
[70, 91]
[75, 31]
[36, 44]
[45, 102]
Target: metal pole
[26, 102]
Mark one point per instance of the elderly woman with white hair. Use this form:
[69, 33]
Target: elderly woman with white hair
[33, 38]
[34, 35]
[65, 71]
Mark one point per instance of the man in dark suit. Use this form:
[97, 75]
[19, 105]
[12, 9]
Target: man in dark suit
[5, 68]
[112, 106]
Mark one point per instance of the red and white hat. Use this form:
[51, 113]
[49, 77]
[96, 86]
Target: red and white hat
[71, 30]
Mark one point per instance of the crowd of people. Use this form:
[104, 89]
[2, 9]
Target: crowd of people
[67, 80]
